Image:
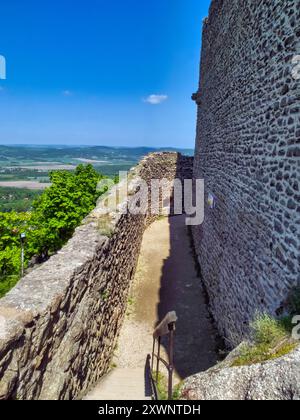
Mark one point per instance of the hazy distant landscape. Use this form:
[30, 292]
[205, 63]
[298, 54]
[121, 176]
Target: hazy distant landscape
[48, 216]
[24, 170]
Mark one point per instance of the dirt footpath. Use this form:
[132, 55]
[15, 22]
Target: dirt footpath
[166, 280]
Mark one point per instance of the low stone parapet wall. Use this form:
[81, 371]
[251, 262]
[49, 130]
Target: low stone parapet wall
[60, 323]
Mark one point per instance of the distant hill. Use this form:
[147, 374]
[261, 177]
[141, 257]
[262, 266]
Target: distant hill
[67, 154]
[33, 162]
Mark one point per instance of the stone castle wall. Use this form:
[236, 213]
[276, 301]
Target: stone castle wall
[247, 151]
[60, 323]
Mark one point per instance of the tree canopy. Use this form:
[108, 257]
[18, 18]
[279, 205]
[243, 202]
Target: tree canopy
[55, 215]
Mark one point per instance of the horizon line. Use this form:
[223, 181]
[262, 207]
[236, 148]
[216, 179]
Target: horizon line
[94, 145]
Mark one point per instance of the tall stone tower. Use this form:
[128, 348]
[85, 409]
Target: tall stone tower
[247, 151]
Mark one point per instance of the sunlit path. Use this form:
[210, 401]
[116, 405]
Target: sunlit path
[166, 279]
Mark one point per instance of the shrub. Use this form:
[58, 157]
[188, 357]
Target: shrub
[267, 330]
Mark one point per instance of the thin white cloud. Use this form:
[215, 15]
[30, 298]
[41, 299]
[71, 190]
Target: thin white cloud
[156, 99]
[67, 93]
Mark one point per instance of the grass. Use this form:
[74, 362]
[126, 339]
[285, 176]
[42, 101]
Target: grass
[162, 217]
[267, 330]
[251, 354]
[270, 339]
[162, 388]
[177, 391]
[130, 305]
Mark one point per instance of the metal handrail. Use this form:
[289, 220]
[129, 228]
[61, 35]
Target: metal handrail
[166, 327]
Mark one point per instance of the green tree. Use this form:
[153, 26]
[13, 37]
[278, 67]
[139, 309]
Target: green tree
[62, 206]
[11, 226]
[56, 213]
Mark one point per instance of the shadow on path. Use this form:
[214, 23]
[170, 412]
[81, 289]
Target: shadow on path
[166, 279]
[181, 290]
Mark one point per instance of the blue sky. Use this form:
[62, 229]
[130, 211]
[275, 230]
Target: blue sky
[83, 72]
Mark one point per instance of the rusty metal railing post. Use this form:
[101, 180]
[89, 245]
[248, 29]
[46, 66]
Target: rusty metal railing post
[158, 358]
[166, 327]
[153, 353]
[171, 360]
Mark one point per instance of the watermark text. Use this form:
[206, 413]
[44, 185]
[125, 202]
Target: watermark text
[155, 197]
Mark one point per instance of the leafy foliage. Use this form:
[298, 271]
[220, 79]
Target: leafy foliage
[267, 330]
[17, 199]
[11, 226]
[56, 213]
[62, 206]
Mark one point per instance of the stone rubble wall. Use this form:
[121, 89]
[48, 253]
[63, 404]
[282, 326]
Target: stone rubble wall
[247, 151]
[60, 323]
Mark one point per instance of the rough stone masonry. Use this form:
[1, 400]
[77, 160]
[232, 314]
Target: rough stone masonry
[247, 151]
[60, 323]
